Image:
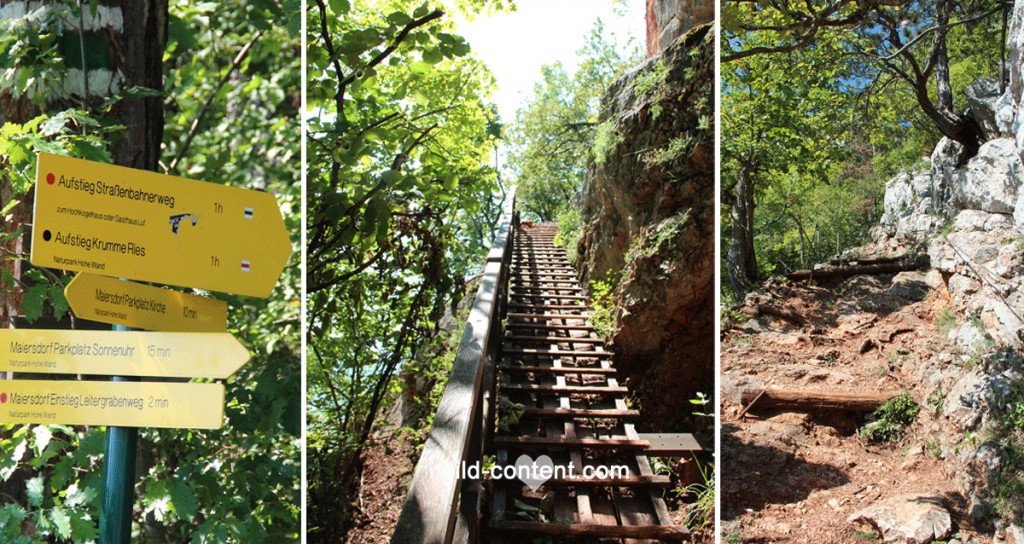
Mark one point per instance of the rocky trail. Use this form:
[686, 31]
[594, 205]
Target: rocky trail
[802, 476]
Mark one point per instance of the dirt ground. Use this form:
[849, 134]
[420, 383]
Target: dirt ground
[387, 471]
[792, 476]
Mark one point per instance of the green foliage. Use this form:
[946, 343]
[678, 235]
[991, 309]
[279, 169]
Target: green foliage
[239, 483]
[700, 515]
[730, 318]
[1005, 485]
[602, 296]
[570, 231]
[605, 140]
[402, 200]
[945, 320]
[892, 418]
[555, 131]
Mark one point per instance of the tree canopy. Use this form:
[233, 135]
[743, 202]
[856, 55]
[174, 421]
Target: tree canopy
[401, 201]
[827, 99]
[230, 93]
[552, 135]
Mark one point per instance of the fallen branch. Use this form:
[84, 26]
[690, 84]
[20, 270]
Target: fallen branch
[779, 312]
[847, 271]
[816, 400]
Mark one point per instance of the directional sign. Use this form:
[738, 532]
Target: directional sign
[120, 404]
[131, 353]
[108, 300]
[141, 225]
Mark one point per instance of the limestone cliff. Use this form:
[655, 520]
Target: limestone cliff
[649, 223]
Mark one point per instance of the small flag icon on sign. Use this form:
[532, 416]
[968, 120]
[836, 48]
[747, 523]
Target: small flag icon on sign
[248, 213]
[245, 266]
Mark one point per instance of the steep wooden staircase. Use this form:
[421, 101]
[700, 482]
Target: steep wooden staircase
[558, 397]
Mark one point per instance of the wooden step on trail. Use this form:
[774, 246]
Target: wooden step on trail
[564, 413]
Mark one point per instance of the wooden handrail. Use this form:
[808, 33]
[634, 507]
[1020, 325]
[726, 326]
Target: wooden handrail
[440, 507]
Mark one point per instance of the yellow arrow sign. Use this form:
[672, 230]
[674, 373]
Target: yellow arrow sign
[108, 300]
[116, 353]
[146, 226]
[120, 404]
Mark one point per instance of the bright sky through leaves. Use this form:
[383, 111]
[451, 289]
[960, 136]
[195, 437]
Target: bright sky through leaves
[515, 45]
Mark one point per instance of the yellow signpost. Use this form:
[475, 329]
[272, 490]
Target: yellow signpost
[121, 404]
[131, 304]
[141, 225]
[127, 353]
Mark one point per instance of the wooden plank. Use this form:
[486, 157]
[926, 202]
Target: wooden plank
[558, 339]
[558, 370]
[582, 412]
[816, 400]
[556, 353]
[510, 326]
[602, 531]
[583, 389]
[670, 444]
[657, 480]
[596, 443]
[534, 289]
[552, 297]
[547, 306]
[546, 316]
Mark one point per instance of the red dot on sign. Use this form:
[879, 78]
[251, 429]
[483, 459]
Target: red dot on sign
[50, 179]
[3, 398]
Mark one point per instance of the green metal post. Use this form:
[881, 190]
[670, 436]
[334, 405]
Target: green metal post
[118, 479]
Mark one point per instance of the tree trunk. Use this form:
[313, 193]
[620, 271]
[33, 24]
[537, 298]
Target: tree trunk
[943, 89]
[815, 400]
[741, 260]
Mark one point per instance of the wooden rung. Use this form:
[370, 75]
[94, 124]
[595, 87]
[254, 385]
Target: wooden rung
[548, 306]
[556, 353]
[554, 339]
[510, 326]
[543, 441]
[558, 370]
[534, 289]
[581, 412]
[670, 444]
[603, 389]
[546, 316]
[657, 480]
[562, 297]
[598, 531]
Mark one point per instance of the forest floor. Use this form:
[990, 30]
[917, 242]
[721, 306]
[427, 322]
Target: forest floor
[793, 476]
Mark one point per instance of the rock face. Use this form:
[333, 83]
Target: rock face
[669, 19]
[910, 519]
[649, 223]
[970, 221]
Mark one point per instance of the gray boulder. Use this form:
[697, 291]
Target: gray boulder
[991, 179]
[913, 519]
[983, 97]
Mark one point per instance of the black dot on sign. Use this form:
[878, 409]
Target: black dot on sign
[47, 236]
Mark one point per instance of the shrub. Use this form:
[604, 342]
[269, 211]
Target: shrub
[893, 418]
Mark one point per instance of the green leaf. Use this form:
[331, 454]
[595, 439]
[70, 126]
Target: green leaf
[340, 7]
[432, 56]
[420, 67]
[34, 491]
[83, 529]
[391, 177]
[183, 499]
[398, 18]
[62, 521]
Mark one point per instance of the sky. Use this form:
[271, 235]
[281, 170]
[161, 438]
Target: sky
[515, 45]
